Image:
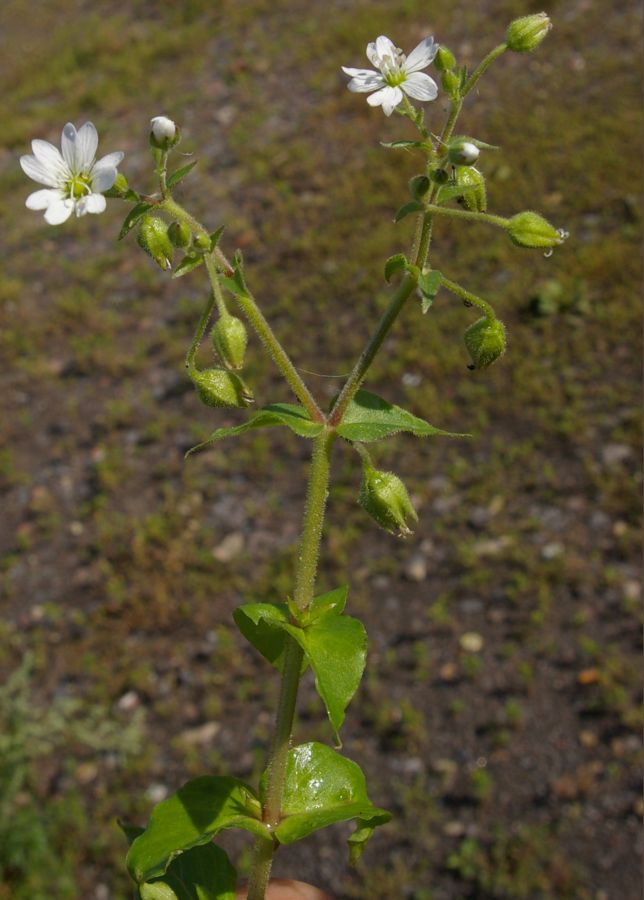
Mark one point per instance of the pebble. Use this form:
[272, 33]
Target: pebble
[453, 829]
[471, 642]
[157, 792]
[201, 734]
[231, 546]
[416, 568]
[552, 550]
[615, 454]
[448, 672]
[129, 701]
[492, 546]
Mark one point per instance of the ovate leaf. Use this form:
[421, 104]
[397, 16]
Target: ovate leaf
[262, 624]
[275, 414]
[203, 873]
[365, 828]
[191, 817]
[370, 418]
[322, 787]
[133, 217]
[189, 262]
[412, 207]
[331, 603]
[428, 285]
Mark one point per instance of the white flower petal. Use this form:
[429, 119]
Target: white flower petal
[92, 203]
[68, 145]
[389, 98]
[86, 144]
[360, 73]
[59, 212]
[36, 171]
[49, 157]
[363, 84]
[111, 159]
[372, 54]
[384, 47]
[43, 199]
[420, 86]
[421, 56]
[103, 178]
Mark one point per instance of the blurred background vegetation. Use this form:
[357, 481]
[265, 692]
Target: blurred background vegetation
[499, 718]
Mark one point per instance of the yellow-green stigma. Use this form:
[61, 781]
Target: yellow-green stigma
[79, 186]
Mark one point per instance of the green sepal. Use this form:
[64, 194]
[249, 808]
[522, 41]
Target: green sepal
[236, 282]
[263, 624]
[370, 418]
[474, 192]
[331, 603]
[465, 138]
[190, 818]
[215, 237]
[412, 207]
[275, 414]
[419, 185]
[322, 787]
[133, 217]
[404, 145]
[365, 827]
[189, 262]
[429, 284]
[336, 648]
[203, 873]
[179, 174]
[395, 264]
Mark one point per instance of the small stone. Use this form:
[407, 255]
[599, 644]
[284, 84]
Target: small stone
[632, 590]
[492, 546]
[454, 829]
[86, 772]
[552, 550]
[101, 892]
[588, 676]
[76, 528]
[588, 739]
[448, 672]
[157, 792]
[128, 702]
[565, 788]
[416, 568]
[615, 454]
[201, 734]
[231, 546]
[471, 642]
[411, 379]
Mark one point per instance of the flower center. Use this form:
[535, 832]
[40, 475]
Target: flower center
[78, 186]
[392, 68]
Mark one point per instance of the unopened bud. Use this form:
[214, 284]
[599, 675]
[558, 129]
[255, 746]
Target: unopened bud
[179, 234]
[444, 60]
[450, 83]
[153, 238]
[529, 229]
[439, 176]
[418, 186]
[473, 183]
[120, 186]
[385, 498]
[218, 387]
[201, 242]
[463, 153]
[229, 338]
[485, 342]
[525, 34]
[164, 133]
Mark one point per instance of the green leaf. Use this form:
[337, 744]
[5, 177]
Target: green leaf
[336, 648]
[133, 217]
[275, 414]
[428, 285]
[451, 191]
[406, 210]
[332, 602]
[322, 787]
[404, 145]
[180, 174]
[130, 831]
[262, 624]
[203, 873]
[395, 264]
[215, 237]
[460, 138]
[189, 262]
[370, 418]
[191, 817]
[365, 827]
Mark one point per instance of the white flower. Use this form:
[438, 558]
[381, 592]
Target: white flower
[75, 180]
[397, 73]
[163, 128]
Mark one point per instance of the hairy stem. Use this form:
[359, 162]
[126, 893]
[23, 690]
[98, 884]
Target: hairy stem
[305, 574]
[199, 333]
[482, 66]
[468, 296]
[489, 219]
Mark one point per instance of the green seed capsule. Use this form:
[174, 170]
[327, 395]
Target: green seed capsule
[218, 387]
[384, 496]
[153, 238]
[229, 338]
[444, 60]
[451, 83]
[474, 193]
[485, 342]
[179, 234]
[201, 242]
[529, 229]
[525, 34]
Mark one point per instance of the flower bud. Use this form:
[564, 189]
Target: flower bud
[153, 238]
[474, 193]
[439, 176]
[463, 153]
[450, 83]
[385, 498]
[217, 387]
[525, 34]
[529, 229]
[444, 60]
[201, 242]
[229, 338]
[179, 234]
[485, 342]
[418, 186]
[164, 133]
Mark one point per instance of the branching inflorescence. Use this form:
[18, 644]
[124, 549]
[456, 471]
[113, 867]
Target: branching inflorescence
[309, 786]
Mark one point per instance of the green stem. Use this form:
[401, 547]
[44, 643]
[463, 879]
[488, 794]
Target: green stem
[468, 296]
[451, 121]
[500, 221]
[181, 215]
[482, 66]
[201, 330]
[218, 294]
[305, 574]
